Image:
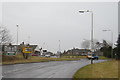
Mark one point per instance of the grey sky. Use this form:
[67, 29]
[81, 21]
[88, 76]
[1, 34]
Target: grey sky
[49, 22]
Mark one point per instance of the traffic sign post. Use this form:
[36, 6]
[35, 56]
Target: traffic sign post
[26, 51]
[91, 61]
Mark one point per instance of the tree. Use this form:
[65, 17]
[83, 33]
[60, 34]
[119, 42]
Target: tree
[5, 37]
[98, 45]
[118, 47]
[106, 49]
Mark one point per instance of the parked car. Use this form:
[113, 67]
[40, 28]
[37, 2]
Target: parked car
[83, 54]
[47, 55]
[34, 55]
[92, 56]
[95, 56]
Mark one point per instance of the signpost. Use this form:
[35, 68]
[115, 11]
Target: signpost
[26, 51]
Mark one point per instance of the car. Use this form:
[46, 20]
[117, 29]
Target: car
[92, 56]
[34, 55]
[95, 56]
[89, 56]
[83, 54]
[47, 55]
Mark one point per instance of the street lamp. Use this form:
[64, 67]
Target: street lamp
[84, 46]
[17, 33]
[28, 39]
[92, 44]
[59, 45]
[59, 49]
[111, 41]
[17, 37]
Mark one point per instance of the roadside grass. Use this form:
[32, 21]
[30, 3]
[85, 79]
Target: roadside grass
[19, 59]
[103, 57]
[107, 69]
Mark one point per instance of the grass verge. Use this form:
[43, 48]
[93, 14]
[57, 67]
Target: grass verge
[102, 57]
[19, 59]
[108, 69]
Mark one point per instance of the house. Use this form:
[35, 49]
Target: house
[78, 52]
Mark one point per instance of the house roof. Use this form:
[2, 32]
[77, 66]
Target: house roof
[78, 50]
[33, 46]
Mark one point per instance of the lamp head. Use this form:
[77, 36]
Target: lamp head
[81, 11]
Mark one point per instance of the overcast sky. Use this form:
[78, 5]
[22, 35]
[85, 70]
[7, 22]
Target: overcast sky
[49, 22]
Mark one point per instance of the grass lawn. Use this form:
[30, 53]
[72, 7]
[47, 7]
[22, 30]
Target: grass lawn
[102, 57]
[108, 69]
[19, 59]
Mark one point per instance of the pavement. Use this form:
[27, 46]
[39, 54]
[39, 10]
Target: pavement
[54, 69]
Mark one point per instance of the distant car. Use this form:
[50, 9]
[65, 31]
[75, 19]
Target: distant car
[95, 56]
[34, 55]
[47, 55]
[89, 56]
[54, 57]
[83, 54]
[92, 56]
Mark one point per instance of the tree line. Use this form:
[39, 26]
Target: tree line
[104, 47]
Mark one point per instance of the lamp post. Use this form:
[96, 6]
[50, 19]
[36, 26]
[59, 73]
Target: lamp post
[17, 37]
[84, 46]
[28, 39]
[59, 49]
[17, 33]
[92, 44]
[111, 41]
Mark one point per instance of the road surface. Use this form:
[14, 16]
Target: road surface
[55, 69]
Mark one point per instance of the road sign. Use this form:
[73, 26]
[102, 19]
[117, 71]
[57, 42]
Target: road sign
[9, 50]
[27, 50]
[10, 54]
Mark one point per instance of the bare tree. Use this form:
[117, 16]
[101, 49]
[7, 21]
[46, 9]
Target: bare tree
[106, 43]
[98, 46]
[4, 36]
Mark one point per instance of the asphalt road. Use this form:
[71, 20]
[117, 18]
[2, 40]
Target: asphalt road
[55, 69]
